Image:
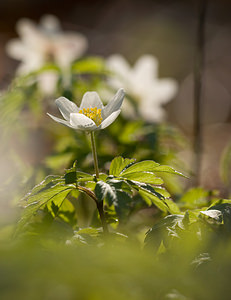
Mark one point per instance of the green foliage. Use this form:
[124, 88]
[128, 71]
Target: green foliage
[196, 198]
[57, 195]
[118, 164]
[141, 177]
[52, 191]
[206, 225]
[89, 65]
[78, 271]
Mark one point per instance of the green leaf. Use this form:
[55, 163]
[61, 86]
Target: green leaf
[144, 166]
[119, 184]
[196, 198]
[172, 206]
[162, 191]
[167, 169]
[122, 204]
[72, 176]
[118, 164]
[89, 65]
[161, 230]
[146, 177]
[130, 132]
[49, 182]
[146, 188]
[151, 199]
[103, 190]
[224, 206]
[214, 214]
[87, 236]
[36, 201]
[103, 177]
[83, 177]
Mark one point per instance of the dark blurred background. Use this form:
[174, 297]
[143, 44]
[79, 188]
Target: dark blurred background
[165, 29]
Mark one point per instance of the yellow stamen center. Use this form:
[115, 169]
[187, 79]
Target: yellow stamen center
[92, 113]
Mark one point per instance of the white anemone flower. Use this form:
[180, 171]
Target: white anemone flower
[43, 43]
[143, 85]
[91, 115]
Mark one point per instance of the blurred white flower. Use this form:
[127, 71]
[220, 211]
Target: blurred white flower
[46, 42]
[47, 82]
[143, 85]
[91, 115]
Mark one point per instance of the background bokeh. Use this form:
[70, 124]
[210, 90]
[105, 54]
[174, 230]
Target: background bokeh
[165, 29]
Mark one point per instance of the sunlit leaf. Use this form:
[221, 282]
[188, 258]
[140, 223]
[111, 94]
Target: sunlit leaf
[167, 169]
[144, 166]
[56, 193]
[213, 214]
[118, 164]
[152, 199]
[49, 182]
[223, 206]
[146, 177]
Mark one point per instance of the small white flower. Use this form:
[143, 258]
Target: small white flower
[43, 43]
[91, 115]
[143, 85]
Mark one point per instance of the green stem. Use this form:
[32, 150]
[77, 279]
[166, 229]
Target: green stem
[99, 205]
[102, 216]
[94, 154]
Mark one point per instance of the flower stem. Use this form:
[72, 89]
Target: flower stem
[99, 205]
[94, 154]
[102, 216]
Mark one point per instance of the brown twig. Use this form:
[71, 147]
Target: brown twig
[198, 74]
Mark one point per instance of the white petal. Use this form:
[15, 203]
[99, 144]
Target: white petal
[152, 114]
[66, 107]
[164, 90]
[146, 67]
[68, 47]
[110, 119]
[128, 111]
[16, 49]
[47, 82]
[31, 35]
[61, 121]
[26, 27]
[50, 24]
[118, 64]
[114, 104]
[90, 100]
[80, 121]
[33, 62]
